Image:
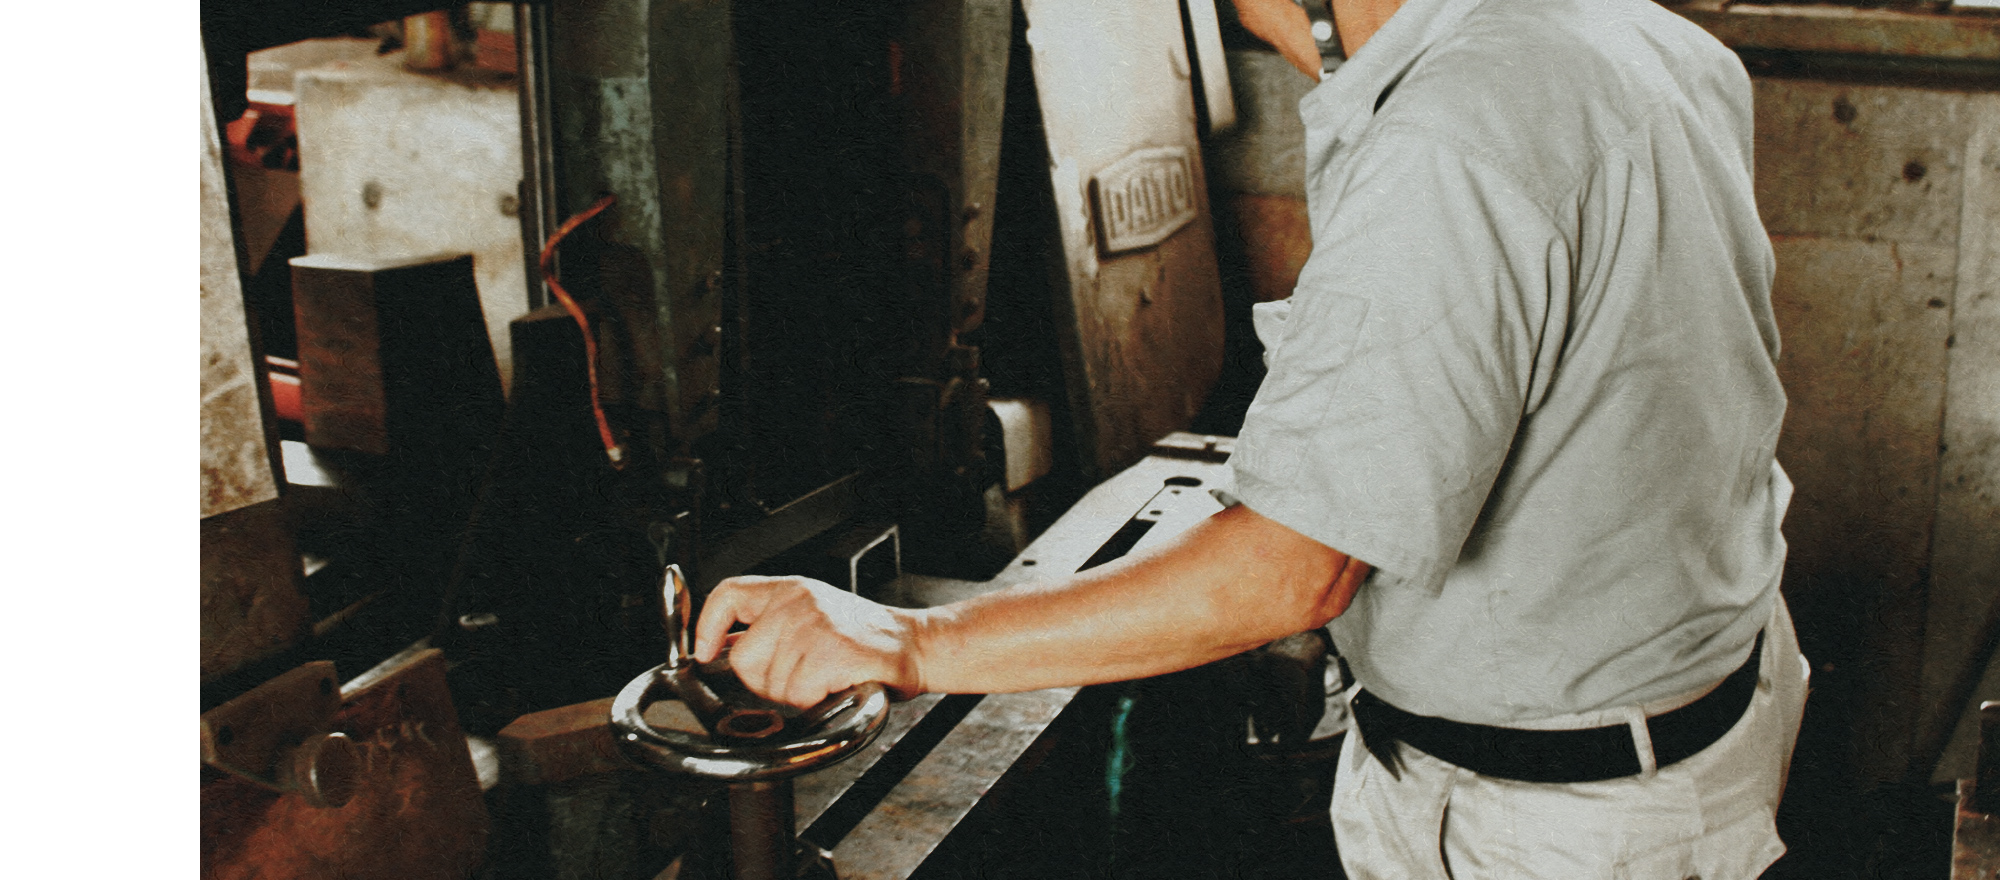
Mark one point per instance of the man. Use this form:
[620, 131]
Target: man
[1515, 444]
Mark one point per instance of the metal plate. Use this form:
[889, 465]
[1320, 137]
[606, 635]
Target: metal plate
[1142, 198]
[1141, 321]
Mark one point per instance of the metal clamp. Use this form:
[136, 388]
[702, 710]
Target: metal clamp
[280, 736]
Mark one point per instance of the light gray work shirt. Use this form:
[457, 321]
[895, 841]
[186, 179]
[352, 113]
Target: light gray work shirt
[1528, 372]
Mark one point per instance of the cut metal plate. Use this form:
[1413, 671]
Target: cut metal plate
[910, 802]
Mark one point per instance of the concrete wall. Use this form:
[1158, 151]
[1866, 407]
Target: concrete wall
[1881, 201]
[235, 463]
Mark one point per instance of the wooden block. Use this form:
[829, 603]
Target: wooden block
[393, 353]
[560, 744]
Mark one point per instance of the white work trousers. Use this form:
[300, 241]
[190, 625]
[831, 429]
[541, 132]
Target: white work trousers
[1709, 816]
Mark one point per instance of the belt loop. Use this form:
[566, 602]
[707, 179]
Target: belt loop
[1642, 741]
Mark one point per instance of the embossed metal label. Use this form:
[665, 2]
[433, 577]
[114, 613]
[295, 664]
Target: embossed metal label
[1143, 198]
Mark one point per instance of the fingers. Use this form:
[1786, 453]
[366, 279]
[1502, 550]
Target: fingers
[783, 677]
[762, 648]
[805, 639]
[736, 600]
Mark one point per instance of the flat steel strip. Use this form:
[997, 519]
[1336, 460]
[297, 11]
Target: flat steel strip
[920, 812]
[814, 793]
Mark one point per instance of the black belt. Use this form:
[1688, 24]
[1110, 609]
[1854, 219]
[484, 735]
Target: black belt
[1588, 755]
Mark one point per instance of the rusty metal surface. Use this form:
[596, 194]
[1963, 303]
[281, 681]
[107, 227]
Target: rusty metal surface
[250, 735]
[252, 606]
[1265, 153]
[1860, 162]
[639, 93]
[236, 467]
[1142, 199]
[1847, 30]
[1141, 330]
[393, 355]
[816, 793]
[418, 811]
[1275, 236]
[954, 78]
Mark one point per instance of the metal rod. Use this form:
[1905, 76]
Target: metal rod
[761, 836]
[538, 209]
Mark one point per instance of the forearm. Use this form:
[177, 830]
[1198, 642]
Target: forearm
[1232, 583]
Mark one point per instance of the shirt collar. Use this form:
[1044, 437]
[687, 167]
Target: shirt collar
[1338, 108]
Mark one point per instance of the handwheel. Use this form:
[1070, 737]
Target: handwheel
[754, 745]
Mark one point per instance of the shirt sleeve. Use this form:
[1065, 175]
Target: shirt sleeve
[1404, 366]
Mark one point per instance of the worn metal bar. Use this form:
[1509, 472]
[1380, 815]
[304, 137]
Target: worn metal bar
[955, 79]
[783, 529]
[1847, 30]
[918, 814]
[1204, 35]
[817, 794]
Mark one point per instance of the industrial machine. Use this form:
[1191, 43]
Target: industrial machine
[912, 296]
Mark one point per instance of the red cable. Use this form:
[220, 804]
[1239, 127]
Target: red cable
[611, 448]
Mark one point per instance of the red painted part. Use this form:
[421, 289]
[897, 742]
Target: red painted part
[285, 397]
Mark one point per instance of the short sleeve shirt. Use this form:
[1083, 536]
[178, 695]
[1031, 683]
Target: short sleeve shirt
[1528, 371]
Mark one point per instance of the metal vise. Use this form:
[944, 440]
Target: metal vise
[752, 744]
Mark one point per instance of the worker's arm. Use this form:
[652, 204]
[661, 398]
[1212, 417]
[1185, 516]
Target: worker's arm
[1236, 581]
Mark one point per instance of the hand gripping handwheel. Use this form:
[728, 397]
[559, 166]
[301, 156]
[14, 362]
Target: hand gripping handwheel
[754, 745]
